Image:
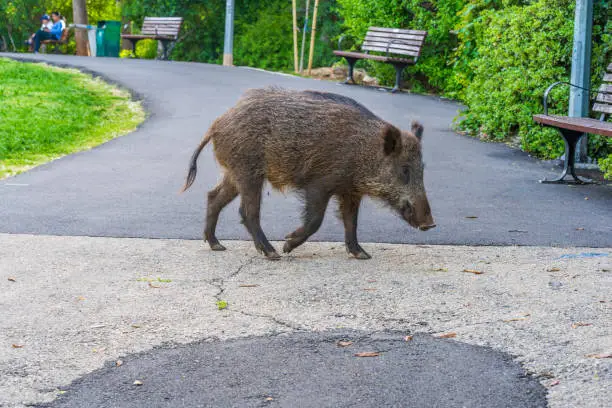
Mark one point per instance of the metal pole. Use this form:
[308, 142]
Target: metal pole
[295, 38]
[312, 36]
[581, 68]
[228, 42]
[304, 36]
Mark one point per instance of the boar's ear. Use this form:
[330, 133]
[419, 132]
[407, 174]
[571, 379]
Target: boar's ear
[417, 129]
[392, 140]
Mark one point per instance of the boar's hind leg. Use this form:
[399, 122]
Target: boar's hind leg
[349, 209]
[316, 204]
[250, 194]
[218, 198]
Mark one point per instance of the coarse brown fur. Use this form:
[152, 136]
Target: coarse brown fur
[321, 144]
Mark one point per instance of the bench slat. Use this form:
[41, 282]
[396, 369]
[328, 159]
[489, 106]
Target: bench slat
[163, 19]
[392, 50]
[416, 43]
[605, 88]
[400, 31]
[159, 30]
[381, 58]
[602, 108]
[586, 125]
[396, 45]
[388, 36]
[605, 98]
[174, 26]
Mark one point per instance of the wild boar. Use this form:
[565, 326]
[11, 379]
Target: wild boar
[322, 145]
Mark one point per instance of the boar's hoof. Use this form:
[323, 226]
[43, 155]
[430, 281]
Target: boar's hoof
[273, 256]
[362, 255]
[217, 247]
[287, 247]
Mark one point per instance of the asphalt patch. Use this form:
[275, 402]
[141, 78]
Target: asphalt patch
[311, 370]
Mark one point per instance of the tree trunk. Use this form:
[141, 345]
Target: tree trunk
[80, 17]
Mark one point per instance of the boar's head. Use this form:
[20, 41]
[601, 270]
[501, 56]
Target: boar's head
[400, 175]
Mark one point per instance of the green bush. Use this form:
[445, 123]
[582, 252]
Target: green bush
[146, 49]
[520, 51]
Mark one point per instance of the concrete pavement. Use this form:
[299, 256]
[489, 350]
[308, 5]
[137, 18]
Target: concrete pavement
[75, 303]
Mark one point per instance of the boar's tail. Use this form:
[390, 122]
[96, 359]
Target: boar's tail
[193, 165]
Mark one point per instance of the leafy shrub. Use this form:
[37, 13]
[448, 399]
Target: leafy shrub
[520, 51]
[146, 49]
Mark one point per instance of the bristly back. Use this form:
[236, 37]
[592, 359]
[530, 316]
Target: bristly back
[341, 99]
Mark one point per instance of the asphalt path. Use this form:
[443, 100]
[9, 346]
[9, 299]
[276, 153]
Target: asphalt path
[311, 370]
[128, 187]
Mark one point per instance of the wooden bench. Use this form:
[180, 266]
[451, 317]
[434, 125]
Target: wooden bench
[390, 41]
[163, 29]
[56, 43]
[572, 129]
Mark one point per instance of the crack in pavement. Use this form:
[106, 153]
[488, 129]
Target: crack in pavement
[219, 283]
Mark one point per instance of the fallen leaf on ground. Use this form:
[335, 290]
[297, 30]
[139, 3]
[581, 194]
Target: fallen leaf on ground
[471, 217]
[553, 383]
[440, 270]
[81, 298]
[553, 269]
[586, 198]
[137, 382]
[581, 324]
[407, 338]
[269, 399]
[12, 279]
[371, 280]
[370, 289]
[423, 246]
[17, 345]
[248, 285]
[221, 304]
[515, 319]
[474, 271]
[580, 229]
[136, 326]
[447, 335]
[119, 363]
[521, 231]
[344, 343]
[154, 286]
[368, 354]
[602, 355]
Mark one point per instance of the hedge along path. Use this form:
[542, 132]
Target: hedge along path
[48, 112]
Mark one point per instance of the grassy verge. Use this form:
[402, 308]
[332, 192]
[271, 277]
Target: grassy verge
[48, 112]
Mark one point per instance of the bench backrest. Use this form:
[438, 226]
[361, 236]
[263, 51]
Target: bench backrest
[64, 36]
[398, 41]
[603, 102]
[162, 26]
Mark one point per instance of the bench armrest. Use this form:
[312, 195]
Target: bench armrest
[550, 88]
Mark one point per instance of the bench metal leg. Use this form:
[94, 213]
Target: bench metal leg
[349, 79]
[571, 138]
[399, 69]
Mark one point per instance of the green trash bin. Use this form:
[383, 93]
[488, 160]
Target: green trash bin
[108, 38]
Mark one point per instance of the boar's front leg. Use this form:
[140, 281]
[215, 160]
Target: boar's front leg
[349, 209]
[250, 205]
[314, 211]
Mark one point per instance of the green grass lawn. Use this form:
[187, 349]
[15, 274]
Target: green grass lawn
[48, 112]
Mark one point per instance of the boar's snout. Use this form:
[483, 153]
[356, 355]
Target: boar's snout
[418, 215]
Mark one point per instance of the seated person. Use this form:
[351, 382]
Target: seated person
[54, 33]
[45, 22]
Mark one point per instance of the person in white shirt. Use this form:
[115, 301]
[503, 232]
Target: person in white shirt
[45, 22]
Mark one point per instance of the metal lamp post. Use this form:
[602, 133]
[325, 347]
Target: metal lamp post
[228, 42]
[581, 68]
